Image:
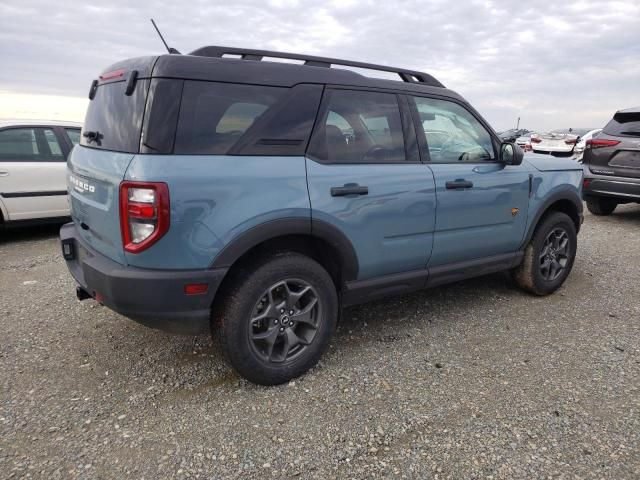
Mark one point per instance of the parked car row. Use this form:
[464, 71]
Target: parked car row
[610, 157]
[33, 155]
[569, 143]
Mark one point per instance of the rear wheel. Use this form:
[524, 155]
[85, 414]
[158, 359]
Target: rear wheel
[549, 256]
[277, 319]
[601, 205]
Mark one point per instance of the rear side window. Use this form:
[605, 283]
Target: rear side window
[624, 124]
[214, 116]
[116, 118]
[73, 134]
[29, 145]
[359, 127]
[239, 117]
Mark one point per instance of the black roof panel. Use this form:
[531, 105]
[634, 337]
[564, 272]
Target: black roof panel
[260, 72]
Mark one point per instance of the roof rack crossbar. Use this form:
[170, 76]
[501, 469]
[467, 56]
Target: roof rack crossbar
[411, 76]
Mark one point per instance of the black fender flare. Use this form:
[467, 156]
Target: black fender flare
[272, 229]
[566, 195]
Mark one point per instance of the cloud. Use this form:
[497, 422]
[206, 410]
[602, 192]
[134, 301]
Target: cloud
[554, 65]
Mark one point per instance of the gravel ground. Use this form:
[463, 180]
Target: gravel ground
[471, 380]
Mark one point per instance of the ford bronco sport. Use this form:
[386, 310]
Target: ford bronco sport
[223, 190]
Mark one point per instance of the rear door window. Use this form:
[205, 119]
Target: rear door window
[214, 116]
[626, 124]
[359, 127]
[29, 145]
[115, 117]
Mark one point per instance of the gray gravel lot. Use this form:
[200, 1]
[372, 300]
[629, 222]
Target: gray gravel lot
[471, 380]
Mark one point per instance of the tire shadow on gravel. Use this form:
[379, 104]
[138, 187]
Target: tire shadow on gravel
[425, 307]
[363, 327]
[360, 327]
[626, 213]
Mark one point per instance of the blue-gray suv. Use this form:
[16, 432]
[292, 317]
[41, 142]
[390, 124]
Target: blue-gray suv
[226, 191]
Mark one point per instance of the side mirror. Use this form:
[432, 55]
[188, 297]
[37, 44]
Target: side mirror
[511, 154]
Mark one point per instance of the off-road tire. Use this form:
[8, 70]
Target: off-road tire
[232, 325]
[530, 275]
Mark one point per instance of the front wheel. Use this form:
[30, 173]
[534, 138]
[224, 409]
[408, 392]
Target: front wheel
[277, 319]
[549, 256]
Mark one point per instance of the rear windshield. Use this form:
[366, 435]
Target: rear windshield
[115, 118]
[624, 124]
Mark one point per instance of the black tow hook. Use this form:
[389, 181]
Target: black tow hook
[82, 294]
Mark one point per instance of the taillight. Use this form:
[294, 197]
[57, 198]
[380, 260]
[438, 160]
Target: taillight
[144, 214]
[570, 141]
[536, 139]
[601, 142]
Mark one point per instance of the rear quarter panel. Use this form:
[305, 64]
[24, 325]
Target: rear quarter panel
[214, 198]
[104, 170]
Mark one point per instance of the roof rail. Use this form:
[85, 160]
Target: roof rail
[411, 76]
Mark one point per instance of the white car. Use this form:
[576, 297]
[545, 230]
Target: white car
[557, 142]
[33, 168]
[578, 151]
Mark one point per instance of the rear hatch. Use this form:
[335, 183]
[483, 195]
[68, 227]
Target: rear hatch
[616, 150]
[110, 139]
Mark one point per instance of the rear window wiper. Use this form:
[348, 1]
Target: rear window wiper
[92, 136]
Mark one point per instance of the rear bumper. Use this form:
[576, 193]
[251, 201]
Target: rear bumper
[618, 187]
[154, 298]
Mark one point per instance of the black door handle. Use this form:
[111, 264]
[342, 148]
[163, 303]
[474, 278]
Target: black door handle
[351, 189]
[458, 184]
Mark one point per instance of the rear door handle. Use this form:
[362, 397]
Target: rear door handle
[458, 184]
[4, 173]
[351, 189]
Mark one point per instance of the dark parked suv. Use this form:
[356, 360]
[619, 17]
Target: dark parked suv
[256, 198]
[612, 164]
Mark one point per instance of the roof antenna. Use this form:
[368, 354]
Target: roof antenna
[169, 49]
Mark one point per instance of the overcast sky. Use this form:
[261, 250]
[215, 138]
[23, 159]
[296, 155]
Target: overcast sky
[554, 64]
